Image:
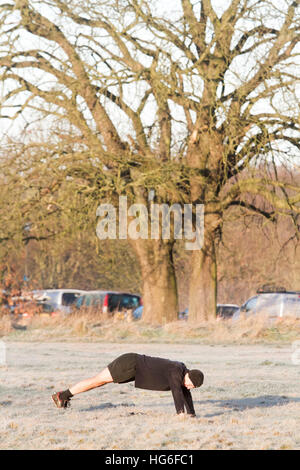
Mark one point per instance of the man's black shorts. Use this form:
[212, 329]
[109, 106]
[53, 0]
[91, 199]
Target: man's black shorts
[123, 368]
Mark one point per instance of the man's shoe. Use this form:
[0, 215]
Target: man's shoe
[59, 401]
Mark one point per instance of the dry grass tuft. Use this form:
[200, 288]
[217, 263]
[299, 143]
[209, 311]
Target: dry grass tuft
[87, 326]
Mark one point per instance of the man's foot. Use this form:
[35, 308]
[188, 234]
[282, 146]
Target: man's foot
[60, 401]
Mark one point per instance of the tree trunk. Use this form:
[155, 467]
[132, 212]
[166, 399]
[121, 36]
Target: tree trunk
[159, 281]
[203, 283]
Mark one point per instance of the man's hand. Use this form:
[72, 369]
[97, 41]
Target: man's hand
[182, 415]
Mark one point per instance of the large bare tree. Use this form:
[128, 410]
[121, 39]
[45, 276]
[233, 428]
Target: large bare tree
[181, 102]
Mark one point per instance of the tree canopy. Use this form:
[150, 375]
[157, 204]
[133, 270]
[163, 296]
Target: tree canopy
[199, 102]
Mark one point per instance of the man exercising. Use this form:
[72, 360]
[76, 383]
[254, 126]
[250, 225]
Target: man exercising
[150, 373]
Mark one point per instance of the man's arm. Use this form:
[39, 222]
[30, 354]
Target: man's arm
[188, 400]
[181, 395]
[178, 398]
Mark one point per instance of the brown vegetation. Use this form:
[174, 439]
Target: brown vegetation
[253, 252]
[94, 327]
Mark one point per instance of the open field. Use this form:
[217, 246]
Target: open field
[250, 398]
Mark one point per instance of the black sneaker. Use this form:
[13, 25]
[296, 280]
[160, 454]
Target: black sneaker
[59, 401]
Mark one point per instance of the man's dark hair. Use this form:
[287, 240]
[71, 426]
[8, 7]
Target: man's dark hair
[196, 377]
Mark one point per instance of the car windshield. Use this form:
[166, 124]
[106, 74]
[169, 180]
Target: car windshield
[251, 304]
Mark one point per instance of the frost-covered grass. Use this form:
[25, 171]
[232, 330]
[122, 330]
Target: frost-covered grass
[250, 398]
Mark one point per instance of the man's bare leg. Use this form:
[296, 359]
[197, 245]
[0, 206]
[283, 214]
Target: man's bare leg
[88, 384]
[62, 399]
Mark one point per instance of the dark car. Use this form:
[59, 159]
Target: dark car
[138, 312]
[226, 310]
[223, 311]
[109, 301]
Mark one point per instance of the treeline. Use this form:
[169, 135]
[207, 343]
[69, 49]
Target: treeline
[194, 105]
[253, 252]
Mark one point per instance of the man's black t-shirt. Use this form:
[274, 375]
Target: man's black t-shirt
[154, 373]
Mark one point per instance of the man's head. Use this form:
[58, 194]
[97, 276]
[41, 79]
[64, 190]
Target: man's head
[193, 378]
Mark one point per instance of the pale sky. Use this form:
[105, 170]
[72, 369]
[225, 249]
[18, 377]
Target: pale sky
[164, 8]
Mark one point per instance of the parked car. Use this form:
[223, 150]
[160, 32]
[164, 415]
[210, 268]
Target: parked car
[26, 309]
[109, 301]
[137, 313]
[223, 311]
[59, 299]
[183, 315]
[226, 310]
[48, 310]
[91, 299]
[274, 302]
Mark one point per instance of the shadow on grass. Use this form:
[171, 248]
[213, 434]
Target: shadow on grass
[104, 406]
[242, 404]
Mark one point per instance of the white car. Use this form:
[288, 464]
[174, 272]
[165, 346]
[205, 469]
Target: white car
[274, 303]
[60, 299]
